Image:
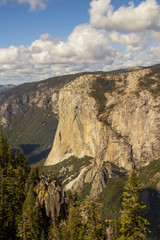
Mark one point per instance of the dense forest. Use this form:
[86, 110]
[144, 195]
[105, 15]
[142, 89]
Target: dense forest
[22, 217]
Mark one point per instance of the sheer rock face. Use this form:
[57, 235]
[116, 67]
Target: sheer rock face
[129, 139]
[51, 197]
[137, 119]
[79, 131]
[131, 136]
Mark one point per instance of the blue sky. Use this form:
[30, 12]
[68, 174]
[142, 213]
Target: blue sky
[41, 39]
[22, 26]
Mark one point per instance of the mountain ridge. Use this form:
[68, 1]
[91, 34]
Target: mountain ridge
[103, 125]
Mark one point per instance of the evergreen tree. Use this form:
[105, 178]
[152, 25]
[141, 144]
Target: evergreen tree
[11, 158]
[3, 152]
[43, 236]
[94, 226]
[54, 230]
[22, 161]
[30, 225]
[32, 179]
[74, 221]
[3, 173]
[17, 193]
[133, 223]
[14, 198]
[70, 228]
[63, 230]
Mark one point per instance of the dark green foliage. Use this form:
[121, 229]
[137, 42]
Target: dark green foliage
[34, 130]
[14, 173]
[74, 221]
[14, 197]
[86, 190]
[21, 217]
[146, 175]
[111, 197]
[54, 230]
[30, 224]
[149, 176]
[4, 149]
[20, 214]
[84, 221]
[134, 225]
[22, 161]
[94, 227]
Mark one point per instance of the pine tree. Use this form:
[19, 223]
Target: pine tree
[134, 225]
[54, 231]
[3, 152]
[22, 161]
[94, 227]
[30, 225]
[11, 158]
[74, 222]
[14, 198]
[71, 227]
[3, 173]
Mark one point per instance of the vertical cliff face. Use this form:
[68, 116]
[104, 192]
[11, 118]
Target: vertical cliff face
[79, 132]
[126, 133]
[137, 120]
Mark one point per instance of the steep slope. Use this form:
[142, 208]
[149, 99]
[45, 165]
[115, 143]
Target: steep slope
[29, 115]
[112, 117]
[4, 88]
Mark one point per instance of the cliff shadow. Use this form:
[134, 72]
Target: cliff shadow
[33, 152]
[29, 148]
[39, 156]
[151, 198]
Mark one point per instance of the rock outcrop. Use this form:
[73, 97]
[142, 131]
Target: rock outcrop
[126, 133]
[51, 197]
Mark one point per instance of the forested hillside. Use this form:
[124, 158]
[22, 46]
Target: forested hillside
[22, 216]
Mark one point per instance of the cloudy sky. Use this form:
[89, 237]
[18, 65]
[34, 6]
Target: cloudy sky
[45, 38]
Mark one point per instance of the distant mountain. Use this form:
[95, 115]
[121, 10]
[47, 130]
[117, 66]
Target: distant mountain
[4, 88]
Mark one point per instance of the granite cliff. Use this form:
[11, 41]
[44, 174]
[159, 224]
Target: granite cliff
[111, 117]
[29, 115]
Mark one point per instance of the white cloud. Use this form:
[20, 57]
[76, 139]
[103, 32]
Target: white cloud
[85, 44]
[86, 49]
[146, 16]
[107, 43]
[89, 42]
[33, 4]
[133, 41]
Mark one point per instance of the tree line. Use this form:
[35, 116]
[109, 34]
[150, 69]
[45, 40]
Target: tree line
[22, 217]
